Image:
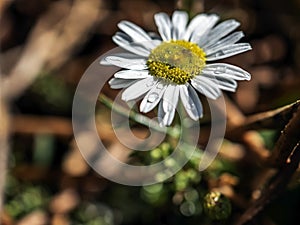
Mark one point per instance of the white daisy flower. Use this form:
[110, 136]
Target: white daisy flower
[171, 67]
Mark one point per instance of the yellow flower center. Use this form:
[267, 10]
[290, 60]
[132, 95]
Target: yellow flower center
[177, 61]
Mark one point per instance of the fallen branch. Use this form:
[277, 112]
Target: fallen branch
[287, 141]
[53, 39]
[30, 124]
[56, 35]
[272, 119]
[285, 157]
[274, 188]
[4, 146]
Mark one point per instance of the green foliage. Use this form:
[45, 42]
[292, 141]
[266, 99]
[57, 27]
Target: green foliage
[154, 194]
[43, 149]
[24, 199]
[186, 187]
[50, 93]
[269, 137]
[93, 214]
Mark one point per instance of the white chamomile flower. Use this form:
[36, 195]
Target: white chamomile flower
[171, 67]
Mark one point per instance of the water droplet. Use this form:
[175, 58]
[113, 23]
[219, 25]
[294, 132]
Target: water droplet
[217, 71]
[220, 70]
[152, 97]
[191, 106]
[160, 86]
[150, 84]
[220, 53]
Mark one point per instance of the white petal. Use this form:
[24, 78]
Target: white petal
[164, 25]
[206, 86]
[227, 51]
[221, 30]
[195, 22]
[123, 39]
[132, 74]
[170, 99]
[146, 45]
[154, 36]
[125, 44]
[190, 101]
[138, 89]
[229, 40]
[227, 84]
[165, 118]
[161, 115]
[224, 83]
[153, 97]
[127, 62]
[104, 62]
[141, 48]
[135, 32]
[201, 26]
[179, 22]
[228, 70]
[169, 103]
[196, 101]
[127, 39]
[127, 55]
[120, 83]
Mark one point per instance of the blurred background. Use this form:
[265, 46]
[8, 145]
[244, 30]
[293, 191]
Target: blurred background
[46, 45]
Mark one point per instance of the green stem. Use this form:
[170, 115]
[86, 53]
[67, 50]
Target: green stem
[185, 5]
[171, 131]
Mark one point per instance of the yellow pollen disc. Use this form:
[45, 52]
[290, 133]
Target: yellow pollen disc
[177, 61]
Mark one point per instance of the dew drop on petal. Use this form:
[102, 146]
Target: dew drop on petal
[217, 71]
[221, 69]
[159, 86]
[150, 84]
[167, 107]
[219, 54]
[190, 106]
[153, 97]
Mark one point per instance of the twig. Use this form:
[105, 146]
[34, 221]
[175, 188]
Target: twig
[3, 5]
[4, 147]
[29, 124]
[253, 141]
[63, 28]
[287, 141]
[286, 157]
[47, 41]
[275, 187]
[75, 31]
[191, 6]
[234, 115]
[276, 118]
[172, 131]
[184, 5]
[251, 138]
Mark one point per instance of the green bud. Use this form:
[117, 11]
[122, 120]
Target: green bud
[217, 206]
[165, 149]
[181, 181]
[155, 153]
[193, 175]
